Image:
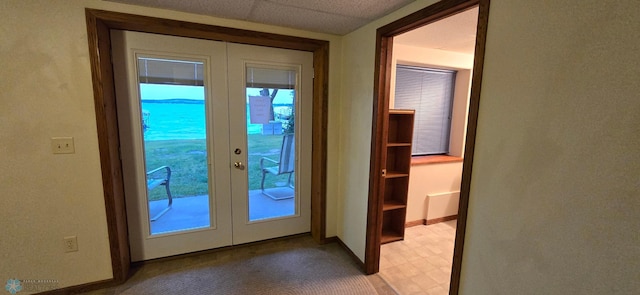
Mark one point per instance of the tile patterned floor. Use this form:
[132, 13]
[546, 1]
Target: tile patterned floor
[421, 264]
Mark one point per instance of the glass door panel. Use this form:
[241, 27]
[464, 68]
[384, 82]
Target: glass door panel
[173, 124]
[271, 148]
[173, 112]
[269, 121]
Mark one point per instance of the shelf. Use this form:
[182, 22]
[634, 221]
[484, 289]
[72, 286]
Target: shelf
[394, 174]
[394, 188]
[400, 126]
[398, 144]
[401, 112]
[389, 236]
[393, 205]
[399, 159]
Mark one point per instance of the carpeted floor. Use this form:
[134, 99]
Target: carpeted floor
[294, 265]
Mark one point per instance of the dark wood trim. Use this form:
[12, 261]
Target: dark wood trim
[384, 42]
[416, 223]
[430, 221]
[467, 164]
[99, 24]
[109, 145]
[82, 288]
[382, 72]
[441, 219]
[426, 16]
[435, 159]
[319, 142]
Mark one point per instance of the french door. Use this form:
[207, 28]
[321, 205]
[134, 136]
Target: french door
[215, 142]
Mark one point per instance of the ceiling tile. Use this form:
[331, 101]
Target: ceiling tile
[295, 17]
[366, 9]
[235, 9]
[327, 16]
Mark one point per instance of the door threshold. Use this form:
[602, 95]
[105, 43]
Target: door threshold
[137, 264]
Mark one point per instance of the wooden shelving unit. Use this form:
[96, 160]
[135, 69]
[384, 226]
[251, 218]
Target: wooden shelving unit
[397, 163]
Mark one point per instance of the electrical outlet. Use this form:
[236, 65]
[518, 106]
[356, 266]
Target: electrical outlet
[70, 244]
[62, 145]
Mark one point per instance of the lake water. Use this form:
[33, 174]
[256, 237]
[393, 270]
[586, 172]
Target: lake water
[180, 121]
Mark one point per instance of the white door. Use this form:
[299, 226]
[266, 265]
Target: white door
[255, 73]
[193, 136]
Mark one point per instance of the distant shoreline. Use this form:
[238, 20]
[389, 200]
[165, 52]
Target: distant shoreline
[191, 101]
[174, 100]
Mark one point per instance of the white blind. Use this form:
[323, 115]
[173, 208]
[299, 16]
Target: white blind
[430, 93]
[270, 78]
[173, 72]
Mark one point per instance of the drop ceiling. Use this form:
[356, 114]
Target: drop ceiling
[337, 17]
[456, 33]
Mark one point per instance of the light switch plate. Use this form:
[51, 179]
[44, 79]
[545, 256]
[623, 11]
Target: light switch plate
[62, 145]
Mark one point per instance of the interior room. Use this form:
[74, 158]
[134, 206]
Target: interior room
[549, 196]
[435, 176]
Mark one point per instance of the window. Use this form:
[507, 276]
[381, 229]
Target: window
[430, 93]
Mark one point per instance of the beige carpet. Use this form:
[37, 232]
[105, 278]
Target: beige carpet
[298, 271]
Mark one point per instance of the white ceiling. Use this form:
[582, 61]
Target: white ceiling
[337, 17]
[456, 33]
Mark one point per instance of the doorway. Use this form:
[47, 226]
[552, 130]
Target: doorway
[382, 89]
[204, 120]
[431, 70]
[99, 25]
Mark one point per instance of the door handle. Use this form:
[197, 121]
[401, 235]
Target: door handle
[238, 165]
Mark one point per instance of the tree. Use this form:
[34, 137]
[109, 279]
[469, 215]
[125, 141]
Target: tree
[272, 96]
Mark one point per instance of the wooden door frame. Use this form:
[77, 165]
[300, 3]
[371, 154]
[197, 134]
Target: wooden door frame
[384, 45]
[99, 24]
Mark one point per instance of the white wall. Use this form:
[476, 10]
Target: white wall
[358, 55]
[554, 198]
[45, 79]
[433, 179]
[444, 178]
[555, 191]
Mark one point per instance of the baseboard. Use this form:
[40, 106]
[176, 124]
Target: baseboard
[430, 221]
[442, 219]
[416, 223]
[355, 257]
[82, 288]
[331, 240]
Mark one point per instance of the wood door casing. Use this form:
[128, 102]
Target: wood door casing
[382, 76]
[99, 24]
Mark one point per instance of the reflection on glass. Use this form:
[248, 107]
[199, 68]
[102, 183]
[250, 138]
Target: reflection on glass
[271, 142]
[172, 100]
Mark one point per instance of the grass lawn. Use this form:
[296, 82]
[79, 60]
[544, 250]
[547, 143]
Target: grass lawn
[188, 162]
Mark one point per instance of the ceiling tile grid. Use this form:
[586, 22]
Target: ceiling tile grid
[337, 17]
[363, 9]
[291, 16]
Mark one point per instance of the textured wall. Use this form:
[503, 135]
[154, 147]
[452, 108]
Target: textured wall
[355, 122]
[554, 198]
[45, 79]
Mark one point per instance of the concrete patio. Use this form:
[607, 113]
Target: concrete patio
[193, 212]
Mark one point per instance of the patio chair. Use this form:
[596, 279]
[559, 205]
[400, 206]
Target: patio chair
[155, 179]
[285, 165]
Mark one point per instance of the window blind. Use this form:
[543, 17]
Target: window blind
[430, 93]
[172, 72]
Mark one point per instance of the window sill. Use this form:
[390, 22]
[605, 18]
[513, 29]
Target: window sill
[437, 159]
